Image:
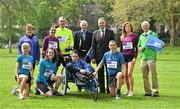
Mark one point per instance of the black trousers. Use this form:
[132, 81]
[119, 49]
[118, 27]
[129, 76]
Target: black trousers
[102, 80]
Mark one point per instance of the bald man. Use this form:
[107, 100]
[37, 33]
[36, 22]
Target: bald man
[82, 41]
[65, 36]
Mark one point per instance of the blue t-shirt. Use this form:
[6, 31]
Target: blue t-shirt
[46, 68]
[25, 64]
[113, 62]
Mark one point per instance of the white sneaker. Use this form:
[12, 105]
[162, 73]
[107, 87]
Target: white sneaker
[14, 90]
[20, 96]
[126, 93]
[68, 90]
[63, 91]
[118, 97]
[130, 94]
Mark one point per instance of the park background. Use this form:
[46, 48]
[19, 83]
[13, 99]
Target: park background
[164, 18]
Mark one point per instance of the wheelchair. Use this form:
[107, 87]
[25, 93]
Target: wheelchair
[87, 82]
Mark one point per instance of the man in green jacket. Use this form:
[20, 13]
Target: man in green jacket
[65, 37]
[148, 61]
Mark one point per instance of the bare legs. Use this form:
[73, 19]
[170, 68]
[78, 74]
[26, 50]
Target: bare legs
[129, 78]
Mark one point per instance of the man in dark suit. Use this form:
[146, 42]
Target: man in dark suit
[83, 41]
[100, 42]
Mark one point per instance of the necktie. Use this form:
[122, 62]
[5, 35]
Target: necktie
[102, 34]
[84, 35]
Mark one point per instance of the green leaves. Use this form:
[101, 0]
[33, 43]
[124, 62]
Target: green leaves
[166, 12]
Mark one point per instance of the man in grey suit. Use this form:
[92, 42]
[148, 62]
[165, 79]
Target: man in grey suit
[100, 42]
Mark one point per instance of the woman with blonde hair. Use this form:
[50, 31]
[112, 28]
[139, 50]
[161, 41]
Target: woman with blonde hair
[129, 41]
[23, 71]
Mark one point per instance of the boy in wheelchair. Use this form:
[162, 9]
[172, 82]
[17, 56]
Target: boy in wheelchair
[78, 70]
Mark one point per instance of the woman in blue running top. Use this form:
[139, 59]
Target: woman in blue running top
[47, 74]
[23, 71]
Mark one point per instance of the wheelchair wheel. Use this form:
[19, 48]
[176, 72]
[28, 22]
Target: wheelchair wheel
[94, 91]
[63, 85]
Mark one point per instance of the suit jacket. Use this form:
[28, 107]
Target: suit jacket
[99, 45]
[82, 46]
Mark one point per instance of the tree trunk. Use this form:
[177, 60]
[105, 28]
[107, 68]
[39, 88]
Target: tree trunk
[10, 29]
[173, 37]
[173, 31]
[10, 48]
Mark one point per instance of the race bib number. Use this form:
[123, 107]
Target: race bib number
[48, 72]
[128, 45]
[62, 39]
[112, 64]
[26, 65]
[52, 44]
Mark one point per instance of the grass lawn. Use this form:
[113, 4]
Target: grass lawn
[168, 69]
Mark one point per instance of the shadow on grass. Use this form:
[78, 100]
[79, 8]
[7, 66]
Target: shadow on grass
[74, 95]
[85, 97]
[71, 95]
[103, 97]
[168, 59]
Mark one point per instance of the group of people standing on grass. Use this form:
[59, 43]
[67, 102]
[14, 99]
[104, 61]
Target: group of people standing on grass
[61, 41]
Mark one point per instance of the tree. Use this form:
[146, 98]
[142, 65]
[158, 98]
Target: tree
[7, 6]
[14, 14]
[46, 15]
[171, 16]
[162, 11]
[106, 7]
[73, 10]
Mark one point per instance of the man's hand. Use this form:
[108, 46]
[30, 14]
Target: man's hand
[83, 71]
[53, 77]
[94, 61]
[94, 73]
[142, 49]
[37, 62]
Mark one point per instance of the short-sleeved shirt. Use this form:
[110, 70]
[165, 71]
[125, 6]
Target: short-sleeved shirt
[129, 45]
[25, 64]
[113, 62]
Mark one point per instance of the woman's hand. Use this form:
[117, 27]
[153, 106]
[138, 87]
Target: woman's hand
[134, 60]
